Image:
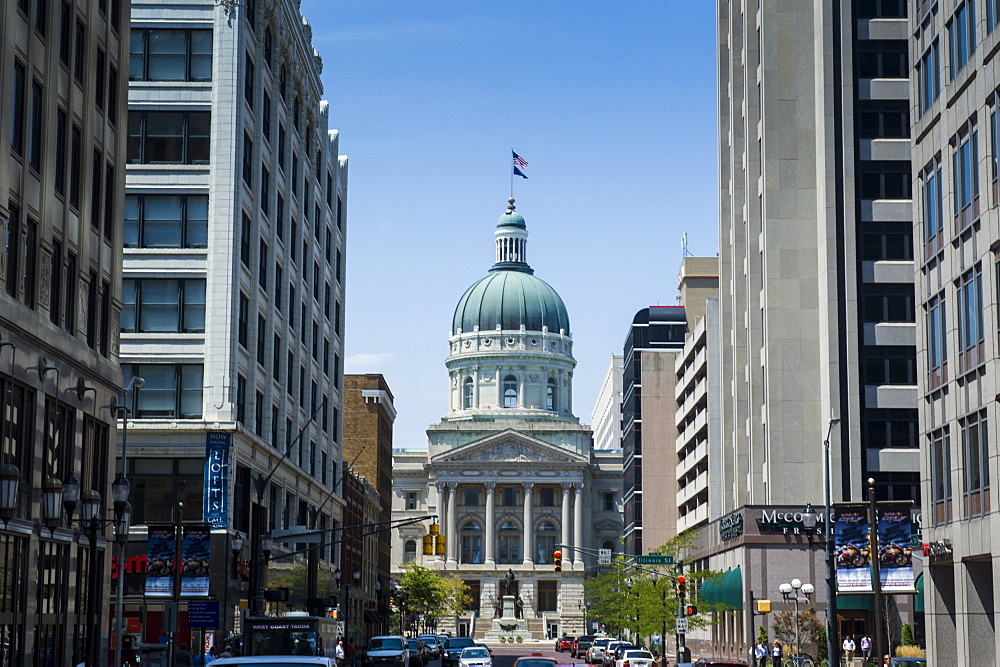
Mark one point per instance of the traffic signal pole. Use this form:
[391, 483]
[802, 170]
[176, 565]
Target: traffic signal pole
[682, 652]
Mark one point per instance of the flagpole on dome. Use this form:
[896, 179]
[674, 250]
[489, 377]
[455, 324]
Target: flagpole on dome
[517, 165]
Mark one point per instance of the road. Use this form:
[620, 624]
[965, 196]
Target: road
[505, 655]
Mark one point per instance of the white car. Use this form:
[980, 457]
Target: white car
[607, 658]
[475, 656]
[276, 661]
[636, 658]
[596, 651]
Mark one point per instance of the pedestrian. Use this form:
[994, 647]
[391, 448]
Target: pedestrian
[760, 653]
[351, 652]
[866, 648]
[849, 647]
[227, 651]
[776, 654]
[183, 657]
[340, 653]
[204, 658]
[887, 661]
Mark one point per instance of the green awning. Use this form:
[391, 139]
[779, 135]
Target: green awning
[862, 602]
[918, 599]
[709, 591]
[731, 588]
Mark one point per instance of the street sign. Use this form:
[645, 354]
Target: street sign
[682, 625]
[654, 559]
[604, 556]
[203, 614]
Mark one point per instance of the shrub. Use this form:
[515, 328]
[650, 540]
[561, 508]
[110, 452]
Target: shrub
[906, 635]
[519, 640]
[503, 640]
[910, 652]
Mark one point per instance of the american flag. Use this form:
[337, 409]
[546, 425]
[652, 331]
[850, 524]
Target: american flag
[519, 161]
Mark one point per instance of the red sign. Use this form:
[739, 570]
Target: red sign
[133, 565]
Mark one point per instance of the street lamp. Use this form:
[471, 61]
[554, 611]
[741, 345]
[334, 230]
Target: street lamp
[263, 555]
[791, 592]
[120, 491]
[10, 477]
[663, 616]
[831, 598]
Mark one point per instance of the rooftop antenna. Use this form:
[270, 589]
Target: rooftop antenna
[684, 246]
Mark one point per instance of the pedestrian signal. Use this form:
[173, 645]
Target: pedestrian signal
[690, 610]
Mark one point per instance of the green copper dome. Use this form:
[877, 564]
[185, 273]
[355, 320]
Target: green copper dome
[510, 299]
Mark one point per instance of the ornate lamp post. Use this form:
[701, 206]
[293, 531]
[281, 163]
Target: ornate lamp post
[791, 591]
[831, 598]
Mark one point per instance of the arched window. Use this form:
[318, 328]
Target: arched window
[509, 543]
[472, 543]
[467, 393]
[410, 551]
[510, 392]
[545, 543]
[609, 545]
[550, 395]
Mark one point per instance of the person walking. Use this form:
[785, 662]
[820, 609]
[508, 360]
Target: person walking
[340, 653]
[227, 652]
[866, 648]
[849, 648]
[760, 653]
[352, 651]
[776, 654]
[204, 658]
[183, 657]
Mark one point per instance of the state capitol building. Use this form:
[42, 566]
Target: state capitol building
[510, 471]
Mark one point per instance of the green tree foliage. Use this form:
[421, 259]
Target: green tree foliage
[906, 635]
[644, 606]
[783, 626]
[762, 634]
[295, 579]
[422, 590]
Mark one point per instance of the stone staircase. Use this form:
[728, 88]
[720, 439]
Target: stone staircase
[534, 632]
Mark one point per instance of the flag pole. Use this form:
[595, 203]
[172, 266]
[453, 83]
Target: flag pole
[512, 175]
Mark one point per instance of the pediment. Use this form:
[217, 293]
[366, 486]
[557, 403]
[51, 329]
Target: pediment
[508, 446]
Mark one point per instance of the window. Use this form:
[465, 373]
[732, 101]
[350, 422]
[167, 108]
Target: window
[262, 263]
[411, 500]
[545, 543]
[889, 427]
[251, 12]
[65, 33]
[937, 347]
[245, 240]
[258, 414]
[962, 36]
[509, 543]
[281, 146]
[261, 339]
[113, 95]
[965, 166]
[96, 191]
[110, 209]
[883, 119]
[929, 77]
[510, 392]
[171, 390]
[971, 334]
[247, 159]
[468, 391]
[887, 302]
[932, 207]
[472, 542]
[266, 118]
[410, 551]
[546, 496]
[241, 399]
[170, 55]
[472, 496]
[99, 79]
[166, 221]
[881, 59]
[550, 395]
[268, 47]
[881, 9]
[975, 452]
[940, 450]
[244, 320]
[22, 257]
[169, 137]
[279, 283]
[37, 126]
[279, 218]
[248, 80]
[891, 241]
[79, 51]
[608, 502]
[168, 306]
[265, 191]
[884, 180]
[75, 166]
[547, 597]
[886, 364]
[295, 173]
[17, 109]
[508, 496]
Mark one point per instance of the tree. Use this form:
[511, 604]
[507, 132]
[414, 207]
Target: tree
[422, 590]
[295, 579]
[762, 634]
[783, 626]
[906, 635]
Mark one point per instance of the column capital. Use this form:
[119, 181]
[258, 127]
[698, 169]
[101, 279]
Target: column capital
[490, 485]
[579, 488]
[566, 486]
[528, 484]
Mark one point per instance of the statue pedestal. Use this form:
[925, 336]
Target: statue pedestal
[508, 606]
[508, 625]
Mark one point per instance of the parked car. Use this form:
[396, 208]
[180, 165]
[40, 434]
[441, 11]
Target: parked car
[475, 656]
[707, 662]
[276, 661]
[388, 649]
[635, 658]
[564, 643]
[581, 645]
[433, 645]
[419, 655]
[535, 660]
[453, 650]
[614, 651]
[596, 651]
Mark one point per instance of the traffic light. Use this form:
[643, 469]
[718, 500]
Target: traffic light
[763, 606]
[681, 588]
[439, 547]
[690, 610]
[557, 560]
[428, 545]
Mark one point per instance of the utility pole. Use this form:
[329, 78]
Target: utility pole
[881, 646]
[682, 652]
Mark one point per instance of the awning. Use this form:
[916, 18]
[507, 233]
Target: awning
[354, 629]
[918, 599]
[709, 591]
[863, 602]
[373, 617]
[731, 588]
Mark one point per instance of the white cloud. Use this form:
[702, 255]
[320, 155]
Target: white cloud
[368, 362]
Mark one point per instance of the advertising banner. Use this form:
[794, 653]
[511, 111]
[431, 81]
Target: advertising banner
[895, 527]
[216, 495]
[160, 564]
[196, 560]
[854, 571]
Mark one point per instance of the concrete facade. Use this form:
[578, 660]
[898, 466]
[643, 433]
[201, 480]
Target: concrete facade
[606, 417]
[956, 136]
[61, 174]
[234, 266]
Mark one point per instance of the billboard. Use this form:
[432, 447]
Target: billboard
[854, 570]
[216, 496]
[161, 548]
[895, 527]
[853, 553]
[196, 560]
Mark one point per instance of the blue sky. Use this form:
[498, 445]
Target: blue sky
[612, 104]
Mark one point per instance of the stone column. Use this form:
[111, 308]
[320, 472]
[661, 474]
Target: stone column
[489, 532]
[578, 527]
[565, 521]
[442, 513]
[527, 523]
[450, 534]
